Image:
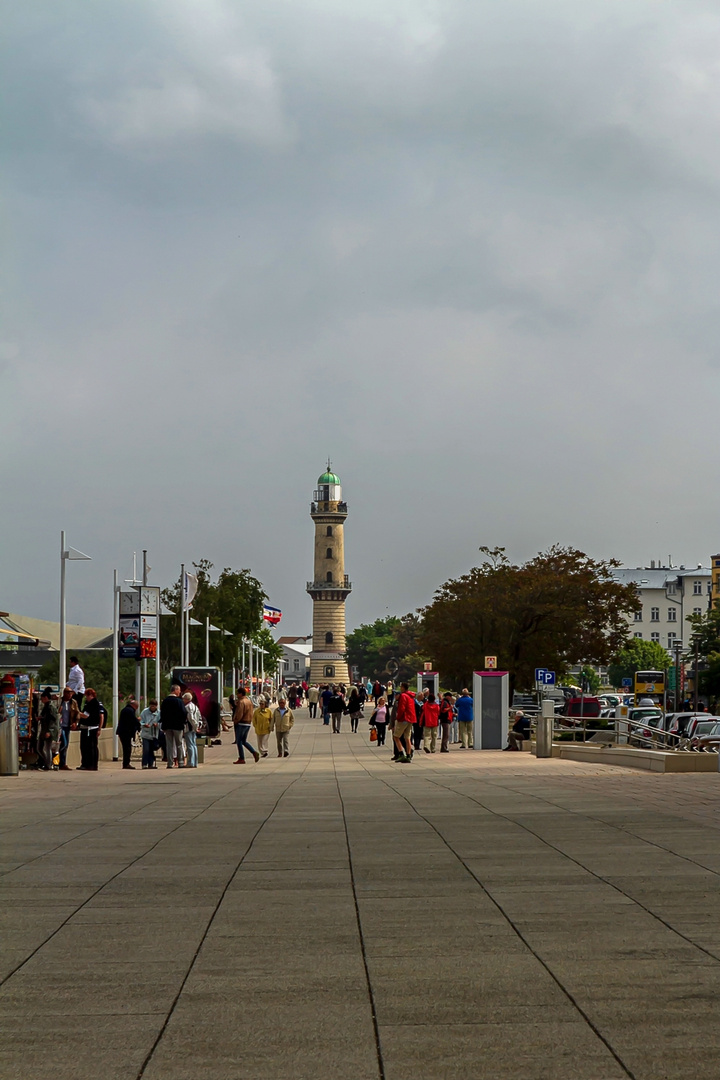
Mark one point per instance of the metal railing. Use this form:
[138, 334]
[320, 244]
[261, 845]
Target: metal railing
[621, 731]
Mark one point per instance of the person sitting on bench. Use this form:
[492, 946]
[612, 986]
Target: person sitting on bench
[520, 732]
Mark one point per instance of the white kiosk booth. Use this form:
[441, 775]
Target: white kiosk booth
[491, 704]
[428, 680]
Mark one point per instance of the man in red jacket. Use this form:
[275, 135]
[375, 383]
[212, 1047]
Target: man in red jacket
[405, 717]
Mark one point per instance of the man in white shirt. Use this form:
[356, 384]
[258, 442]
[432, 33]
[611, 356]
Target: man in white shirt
[76, 680]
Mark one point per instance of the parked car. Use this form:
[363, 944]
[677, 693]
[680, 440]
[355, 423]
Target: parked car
[646, 726]
[681, 724]
[706, 735]
[580, 708]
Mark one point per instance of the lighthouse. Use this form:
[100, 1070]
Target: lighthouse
[330, 587]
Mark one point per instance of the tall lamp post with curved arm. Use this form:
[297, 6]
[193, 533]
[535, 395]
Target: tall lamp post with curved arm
[65, 554]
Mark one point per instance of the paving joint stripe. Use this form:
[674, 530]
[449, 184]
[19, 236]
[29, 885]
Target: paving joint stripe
[587, 869]
[368, 981]
[576, 1005]
[196, 954]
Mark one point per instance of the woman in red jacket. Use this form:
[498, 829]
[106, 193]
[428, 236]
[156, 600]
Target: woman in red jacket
[430, 718]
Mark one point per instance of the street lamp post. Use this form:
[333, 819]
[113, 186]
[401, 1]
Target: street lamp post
[115, 668]
[678, 649]
[696, 642]
[65, 554]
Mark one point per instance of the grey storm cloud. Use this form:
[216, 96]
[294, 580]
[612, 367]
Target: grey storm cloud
[468, 250]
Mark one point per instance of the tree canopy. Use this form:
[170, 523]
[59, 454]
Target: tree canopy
[637, 655]
[233, 603]
[372, 646]
[559, 608]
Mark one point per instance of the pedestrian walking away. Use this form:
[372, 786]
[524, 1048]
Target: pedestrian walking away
[48, 731]
[193, 720]
[262, 722]
[417, 731]
[405, 720]
[127, 728]
[313, 698]
[282, 721]
[172, 722]
[242, 719]
[354, 707]
[464, 706]
[336, 707]
[69, 713]
[447, 716]
[379, 720]
[326, 698]
[150, 734]
[430, 720]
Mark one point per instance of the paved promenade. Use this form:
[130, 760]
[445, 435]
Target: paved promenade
[332, 915]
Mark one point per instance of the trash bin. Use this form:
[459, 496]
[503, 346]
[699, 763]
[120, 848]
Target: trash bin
[9, 747]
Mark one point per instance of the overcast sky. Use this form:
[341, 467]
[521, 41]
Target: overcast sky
[468, 250]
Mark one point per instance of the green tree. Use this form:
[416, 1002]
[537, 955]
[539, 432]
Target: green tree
[372, 646]
[591, 678]
[552, 611]
[706, 629]
[637, 655]
[233, 603]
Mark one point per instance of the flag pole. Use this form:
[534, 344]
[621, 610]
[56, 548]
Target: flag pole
[182, 615]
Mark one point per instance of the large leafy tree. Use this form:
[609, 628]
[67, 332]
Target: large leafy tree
[233, 603]
[372, 646]
[558, 609]
[637, 655]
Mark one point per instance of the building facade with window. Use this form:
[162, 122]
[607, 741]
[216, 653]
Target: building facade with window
[668, 595]
[296, 654]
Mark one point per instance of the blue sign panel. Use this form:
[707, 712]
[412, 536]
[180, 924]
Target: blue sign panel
[542, 675]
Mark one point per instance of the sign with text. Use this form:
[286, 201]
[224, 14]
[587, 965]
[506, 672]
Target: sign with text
[129, 637]
[544, 677]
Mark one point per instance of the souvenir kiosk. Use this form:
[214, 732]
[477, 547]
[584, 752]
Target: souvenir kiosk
[16, 698]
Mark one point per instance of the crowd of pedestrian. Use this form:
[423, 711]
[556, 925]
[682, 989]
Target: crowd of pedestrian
[417, 721]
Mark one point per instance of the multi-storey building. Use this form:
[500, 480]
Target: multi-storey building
[668, 595]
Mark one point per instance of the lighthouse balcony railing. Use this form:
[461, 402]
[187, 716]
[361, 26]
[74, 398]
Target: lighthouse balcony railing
[345, 583]
[320, 506]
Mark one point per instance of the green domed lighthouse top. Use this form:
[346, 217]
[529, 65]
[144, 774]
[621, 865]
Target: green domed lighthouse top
[328, 477]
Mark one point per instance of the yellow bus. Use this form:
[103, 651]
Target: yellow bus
[650, 684]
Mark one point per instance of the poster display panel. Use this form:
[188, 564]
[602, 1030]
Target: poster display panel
[204, 684]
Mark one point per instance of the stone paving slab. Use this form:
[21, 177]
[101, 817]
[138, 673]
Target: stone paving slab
[335, 915]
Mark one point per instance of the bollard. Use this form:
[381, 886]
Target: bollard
[9, 747]
[545, 730]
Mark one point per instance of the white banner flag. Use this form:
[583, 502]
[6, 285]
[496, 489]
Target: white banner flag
[189, 589]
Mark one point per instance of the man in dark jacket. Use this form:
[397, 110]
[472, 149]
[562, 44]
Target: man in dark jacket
[128, 726]
[336, 707]
[48, 731]
[90, 722]
[520, 732]
[172, 721]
